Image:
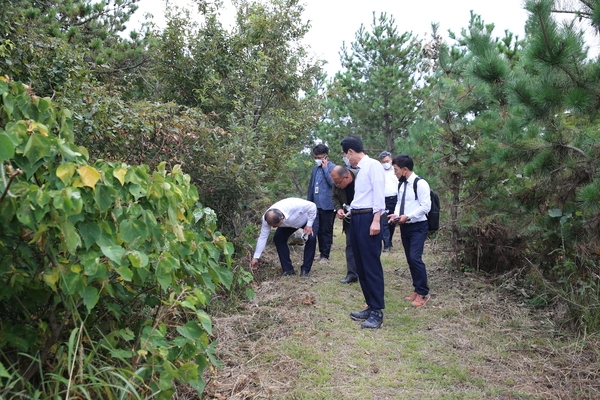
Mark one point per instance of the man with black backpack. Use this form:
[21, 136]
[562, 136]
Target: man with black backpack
[414, 202]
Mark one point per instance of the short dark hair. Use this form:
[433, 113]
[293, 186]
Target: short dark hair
[384, 154]
[352, 142]
[273, 216]
[320, 149]
[404, 160]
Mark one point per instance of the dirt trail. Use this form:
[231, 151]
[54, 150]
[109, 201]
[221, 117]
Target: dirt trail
[473, 339]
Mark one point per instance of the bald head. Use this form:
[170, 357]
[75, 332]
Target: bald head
[341, 176]
[274, 217]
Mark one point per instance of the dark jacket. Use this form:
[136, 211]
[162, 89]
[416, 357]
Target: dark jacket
[323, 198]
[339, 198]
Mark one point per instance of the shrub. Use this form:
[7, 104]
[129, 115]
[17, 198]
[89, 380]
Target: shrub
[102, 266]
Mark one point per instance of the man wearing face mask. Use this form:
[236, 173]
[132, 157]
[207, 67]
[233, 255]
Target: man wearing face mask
[414, 202]
[391, 198]
[319, 192]
[365, 230]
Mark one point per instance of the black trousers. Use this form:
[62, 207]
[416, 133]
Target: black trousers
[367, 252]
[325, 236]
[387, 230]
[282, 234]
[413, 239]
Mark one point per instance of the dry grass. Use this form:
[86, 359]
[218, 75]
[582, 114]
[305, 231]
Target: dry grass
[473, 340]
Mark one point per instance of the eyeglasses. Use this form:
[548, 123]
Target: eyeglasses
[339, 182]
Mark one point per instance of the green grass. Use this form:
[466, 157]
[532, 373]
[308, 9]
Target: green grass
[468, 342]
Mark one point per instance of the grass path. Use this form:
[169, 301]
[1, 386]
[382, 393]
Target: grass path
[472, 340]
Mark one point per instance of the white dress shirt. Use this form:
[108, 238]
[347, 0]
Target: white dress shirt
[369, 186]
[391, 182]
[297, 212]
[415, 209]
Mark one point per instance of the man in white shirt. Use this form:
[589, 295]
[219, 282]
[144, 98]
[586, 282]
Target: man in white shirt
[289, 215]
[391, 198]
[414, 202]
[365, 230]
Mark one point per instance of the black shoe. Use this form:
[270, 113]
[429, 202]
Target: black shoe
[375, 320]
[287, 273]
[349, 279]
[304, 274]
[387, 249]
[361, 315]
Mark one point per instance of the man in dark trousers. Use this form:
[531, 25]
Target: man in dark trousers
[411, 214]
[289, 215]
[365, 230]
[343, 193]
[319, 192]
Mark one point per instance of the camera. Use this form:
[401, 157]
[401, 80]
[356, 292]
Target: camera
[347, 210]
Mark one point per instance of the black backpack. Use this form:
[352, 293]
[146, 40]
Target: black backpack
[433, 216]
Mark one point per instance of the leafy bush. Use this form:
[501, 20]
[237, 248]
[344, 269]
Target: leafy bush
[101, 266]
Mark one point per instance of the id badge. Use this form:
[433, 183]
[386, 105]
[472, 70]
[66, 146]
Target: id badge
[316, 190]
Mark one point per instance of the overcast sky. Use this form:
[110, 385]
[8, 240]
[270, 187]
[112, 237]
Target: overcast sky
[336, 21]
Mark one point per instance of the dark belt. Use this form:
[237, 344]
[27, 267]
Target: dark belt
[362, 210]
[391, 197]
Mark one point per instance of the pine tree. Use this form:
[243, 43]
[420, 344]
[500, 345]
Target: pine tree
[375, 95]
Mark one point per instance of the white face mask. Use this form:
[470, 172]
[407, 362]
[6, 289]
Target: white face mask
[346, 160]
[387, 165]
[318, 162]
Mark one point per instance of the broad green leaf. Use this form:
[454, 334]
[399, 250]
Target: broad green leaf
[71, 236]
[8, 103]
[3, 89]
[51, 277]
[69, 200]
[73, 282]
[125, 273]
[191, 330]
[205, 321]
[8, 209]
[222, 275]
[132, 230]
[66, 125]
[188, 372]
[127, 334]
[143, 273]
[16, 132]
[104, 197]
[90, 297]
[114, 253]
[3, 372]
[137, 191]
[137, 175]
[37, 148]
[90, 232]
[67, 152]
[25, 216]
[164, 270]
[137, 259]
[89, 175]
[42, 198]
[166, 380]
[7, 148]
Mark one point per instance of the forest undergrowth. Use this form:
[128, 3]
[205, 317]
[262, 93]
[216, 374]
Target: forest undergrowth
[477, 338]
